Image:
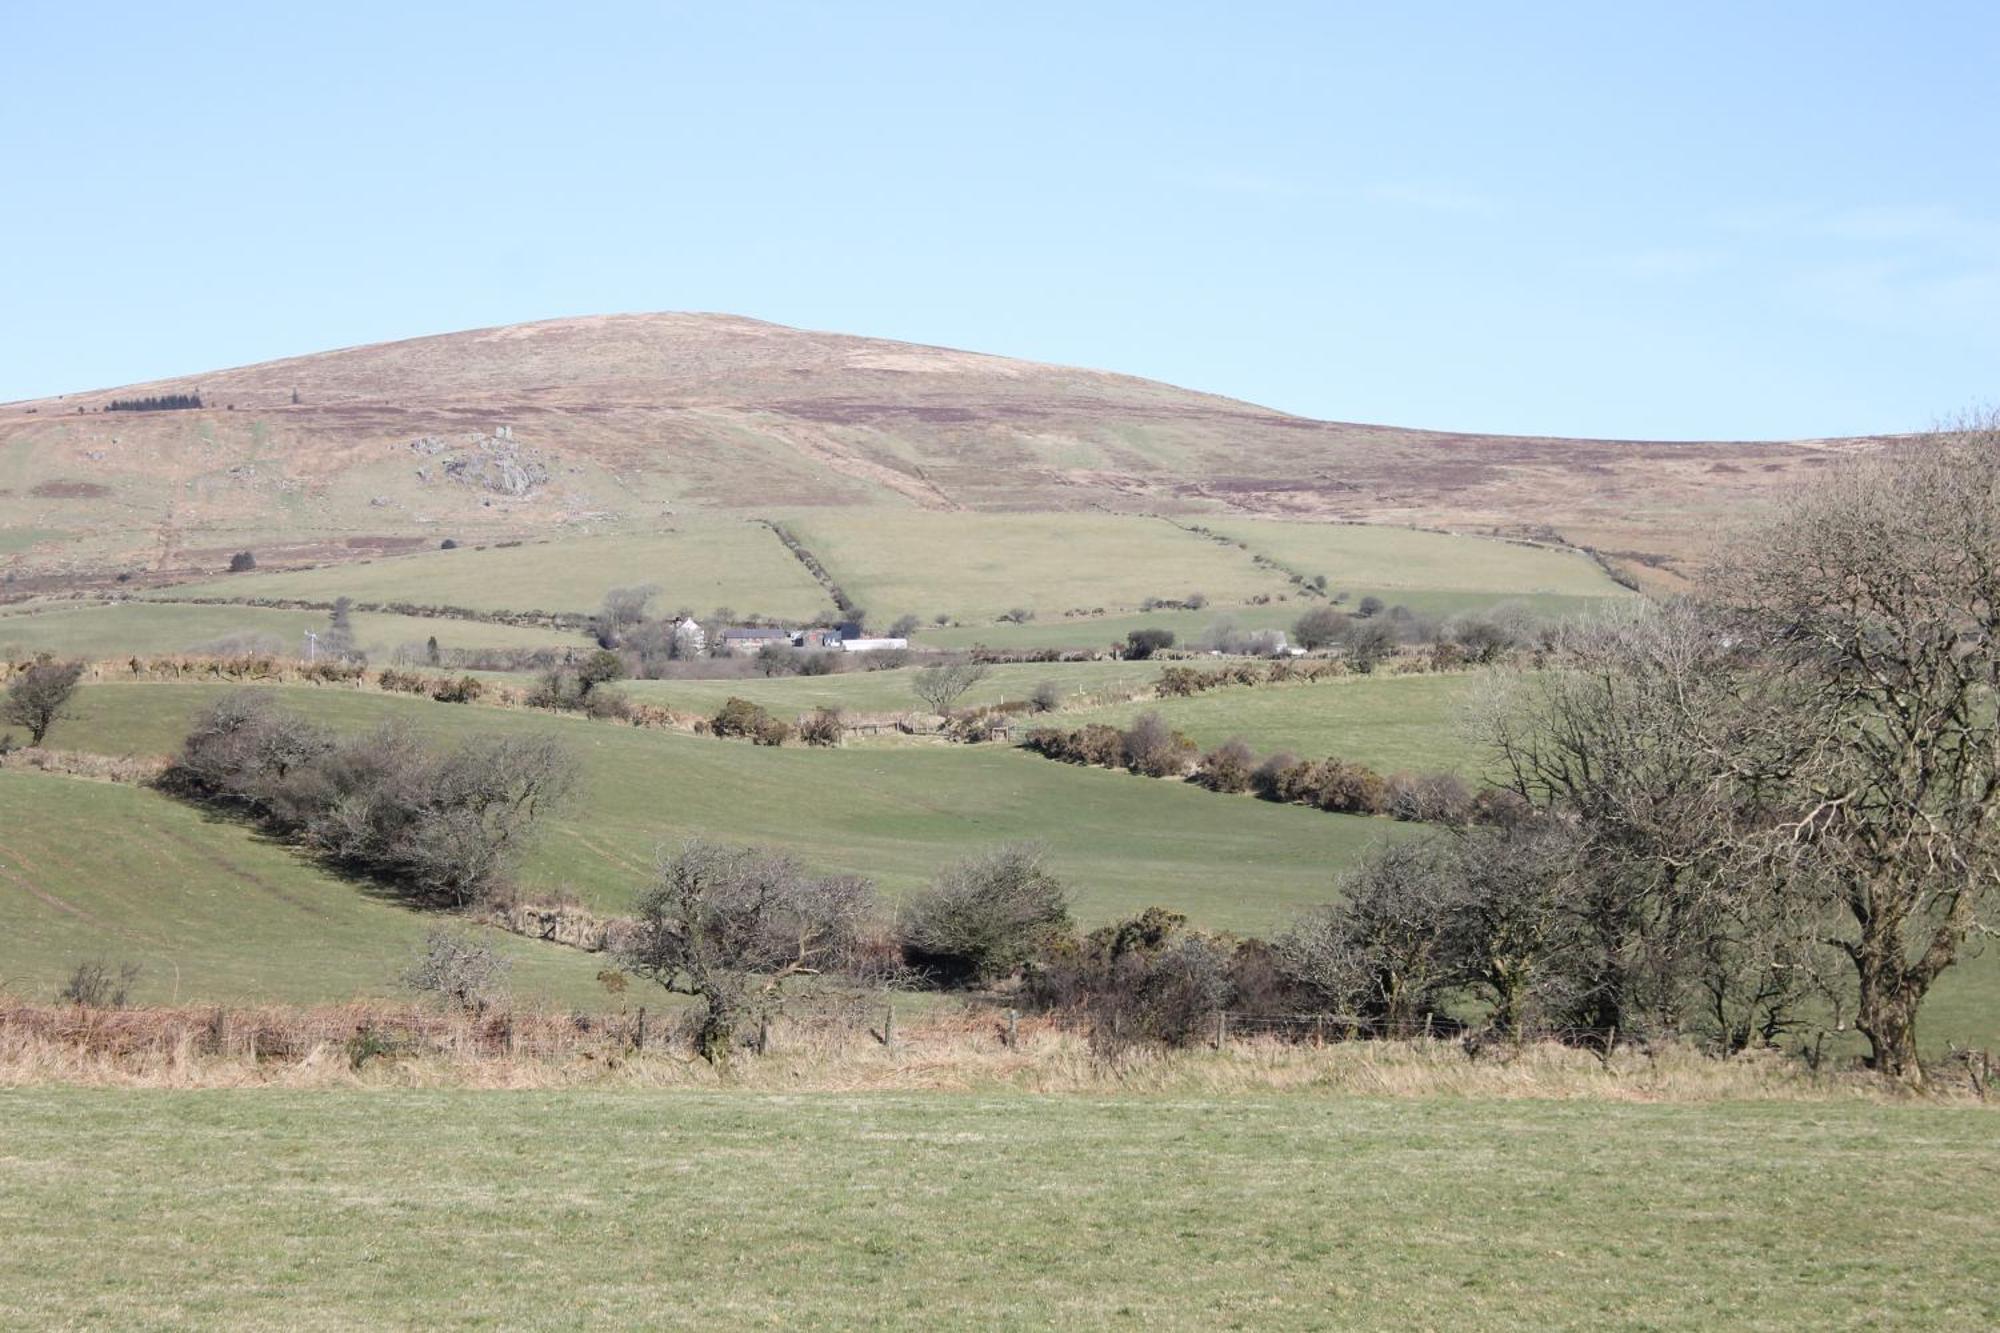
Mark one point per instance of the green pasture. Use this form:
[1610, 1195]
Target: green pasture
[209, 909]
[1393, 723]
[278, 1209]
[703, 563]
[111, 630]
[892, 813]
[890, 691]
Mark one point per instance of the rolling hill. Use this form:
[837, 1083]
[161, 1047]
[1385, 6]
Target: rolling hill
[632, 423]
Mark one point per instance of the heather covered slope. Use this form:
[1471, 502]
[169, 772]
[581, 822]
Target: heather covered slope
[622, 422]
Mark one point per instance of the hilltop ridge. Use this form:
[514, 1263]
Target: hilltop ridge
[618, 422]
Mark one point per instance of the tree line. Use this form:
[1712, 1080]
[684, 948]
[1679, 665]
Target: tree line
[163, 402]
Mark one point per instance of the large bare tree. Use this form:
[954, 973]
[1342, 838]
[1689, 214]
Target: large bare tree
[1663, 744]
[1877, 592]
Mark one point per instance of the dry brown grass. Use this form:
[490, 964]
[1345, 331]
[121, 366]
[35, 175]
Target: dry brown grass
[79, 764]
[405, 1046]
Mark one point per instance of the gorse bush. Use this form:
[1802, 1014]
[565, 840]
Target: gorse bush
[983, 919]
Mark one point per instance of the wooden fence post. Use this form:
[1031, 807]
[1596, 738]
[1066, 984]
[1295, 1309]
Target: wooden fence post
[1319, 1030]
[1221, 1027]
[639, 1037]
[889, 1028]
[1013, 1028]
[763, 1031]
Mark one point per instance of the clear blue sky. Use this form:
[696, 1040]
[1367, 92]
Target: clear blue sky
[1698, 220]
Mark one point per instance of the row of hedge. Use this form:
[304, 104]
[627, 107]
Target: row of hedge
[1152, 749]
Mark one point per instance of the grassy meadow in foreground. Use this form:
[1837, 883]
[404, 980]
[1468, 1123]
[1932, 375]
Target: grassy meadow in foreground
[274, 1209]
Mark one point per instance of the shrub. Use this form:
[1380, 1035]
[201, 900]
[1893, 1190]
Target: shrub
[1141, 644]
[738, 717]
[1046, 697]
[1154, 749]
[403, 682]
[1320, 627]
[456, 967]
[772, 732]
[1140, 980]
[464, 690]
[822, 727]
[1268, 781]
[1100, 744]
[982, 919]
[1368, 606]
[1227, 768]
[607, 706]
[600, 668]
[96, 985]
[242, 562]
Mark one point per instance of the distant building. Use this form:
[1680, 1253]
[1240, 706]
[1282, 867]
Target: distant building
[817, 637]
[750, 639]
[872, 645]
[690, 639]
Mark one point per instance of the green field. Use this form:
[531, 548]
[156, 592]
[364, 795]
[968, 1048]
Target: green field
[115, 630]
[976, 566]
[1363, 557]
[703, 563]
[971, 567]
[209, 909]
[889, 691]
[892, 813]
[1193, 628]
[1397, 724]
[590, 1210]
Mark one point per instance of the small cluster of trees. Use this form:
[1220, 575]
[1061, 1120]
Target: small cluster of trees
[1777, 795]
[162, 402]
[577, 687]
[443, 826]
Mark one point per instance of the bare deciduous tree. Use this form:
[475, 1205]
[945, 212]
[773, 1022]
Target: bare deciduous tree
[39, 697]
[454, 966]
[1877, 593]
[1664, 744]
[720, 923]
[943, 685]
